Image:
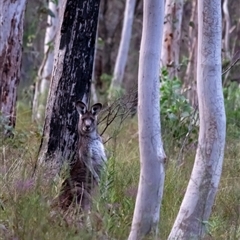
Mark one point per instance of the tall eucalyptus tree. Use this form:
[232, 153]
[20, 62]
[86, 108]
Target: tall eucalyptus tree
[121, 60]
[152, 156]
[191, 222]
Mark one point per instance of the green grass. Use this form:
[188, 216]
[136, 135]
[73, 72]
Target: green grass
[25, 202]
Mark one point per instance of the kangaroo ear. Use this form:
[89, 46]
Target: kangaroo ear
[81, 107]
[96, 108]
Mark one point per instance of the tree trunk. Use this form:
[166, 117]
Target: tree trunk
[116, 84]
[11, 36]
[71, 80]
[152, 156]
[94, 97]
[196, 207]
[172, 36]
[190, 86]
[45, 70]
[226, 45]
[227, 24]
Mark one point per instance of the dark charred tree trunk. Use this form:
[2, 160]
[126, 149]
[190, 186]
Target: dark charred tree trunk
[71, 81]
[11, 35]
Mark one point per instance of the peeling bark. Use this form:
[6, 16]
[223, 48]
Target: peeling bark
[71, 81]
[11, 35]
[172, 36]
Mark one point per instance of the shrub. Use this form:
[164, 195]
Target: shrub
[178, 117]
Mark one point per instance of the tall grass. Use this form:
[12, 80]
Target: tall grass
[25, 202]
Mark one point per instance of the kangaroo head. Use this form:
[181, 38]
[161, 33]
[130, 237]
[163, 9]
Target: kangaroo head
[87, 118]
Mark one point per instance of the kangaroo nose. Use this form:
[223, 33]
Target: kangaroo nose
[87, 124]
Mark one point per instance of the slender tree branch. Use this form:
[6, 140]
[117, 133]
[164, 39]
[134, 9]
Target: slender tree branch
[119, 110]
[235, 59]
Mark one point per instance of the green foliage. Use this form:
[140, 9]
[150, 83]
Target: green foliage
[116, 92]
[55, 1]
[232, 107]
[116, 210]
[178, 118]
[106, 78]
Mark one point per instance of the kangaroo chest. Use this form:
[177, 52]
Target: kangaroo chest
[93, 150]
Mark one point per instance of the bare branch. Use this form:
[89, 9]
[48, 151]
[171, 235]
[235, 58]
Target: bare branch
[234, 62]
[118, 111]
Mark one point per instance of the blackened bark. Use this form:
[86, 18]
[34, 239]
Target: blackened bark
[71, 80]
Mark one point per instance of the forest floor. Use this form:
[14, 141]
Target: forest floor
[25, 202]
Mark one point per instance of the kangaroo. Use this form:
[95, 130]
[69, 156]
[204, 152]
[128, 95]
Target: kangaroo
[86, 171]
[91, 150]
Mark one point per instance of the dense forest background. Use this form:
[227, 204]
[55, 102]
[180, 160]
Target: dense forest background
[109, 35]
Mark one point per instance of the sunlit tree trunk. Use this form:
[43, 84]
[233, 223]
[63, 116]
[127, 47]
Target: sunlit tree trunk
[11, 37]
[116, 84]
[45, 70]
[71, 80]
[192, 219]
[152, 156]
[172, 36]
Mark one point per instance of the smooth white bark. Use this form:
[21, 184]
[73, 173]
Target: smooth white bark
[172, 36]
[152, 156]
[94, 96]
[199, 198]
[45, 70]
[121, 61]
[227, 29]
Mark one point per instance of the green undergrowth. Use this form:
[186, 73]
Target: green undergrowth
[26, 212]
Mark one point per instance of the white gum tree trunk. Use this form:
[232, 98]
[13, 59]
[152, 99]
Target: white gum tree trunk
[11, 37]
[226, 45]
[116, 84]
[152, 156]
[227, 23]
[45, 70]
[203, 185]
[172, 36]
[94, 96]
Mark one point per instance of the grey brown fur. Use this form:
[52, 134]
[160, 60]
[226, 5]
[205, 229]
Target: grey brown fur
[85, 172]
